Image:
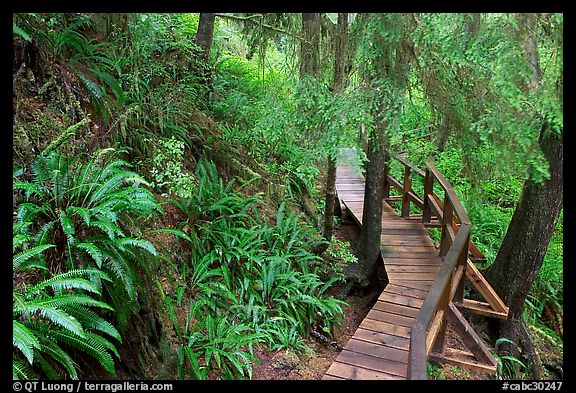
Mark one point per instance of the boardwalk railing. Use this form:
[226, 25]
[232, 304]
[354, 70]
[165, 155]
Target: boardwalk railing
[446, 296]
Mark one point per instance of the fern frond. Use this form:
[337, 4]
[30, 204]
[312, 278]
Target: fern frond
[93, 251]
[50, 348]
[59, 283]
[143, 244]
[24, 340]
[43, 234]
[89, 319]
[29, 188]
[32, 252]
[90, 345]
[67, 227]
[110, 229]
[19, 370]
[56, 315]
[83, 212]
[68, 300]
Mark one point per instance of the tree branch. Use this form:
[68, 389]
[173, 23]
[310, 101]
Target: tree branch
[266, 26]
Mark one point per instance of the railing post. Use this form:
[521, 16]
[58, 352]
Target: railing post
[447, 212]
[386, 193]
[462, 261]
[428, 189]
[407, 187]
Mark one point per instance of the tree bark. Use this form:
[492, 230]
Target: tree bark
[524, 246]
[310, 44]
[340, 43]
[205, 33]
[372, 214]
[105, 23]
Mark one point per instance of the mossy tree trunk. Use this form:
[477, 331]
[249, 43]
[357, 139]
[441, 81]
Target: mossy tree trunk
[338, 83]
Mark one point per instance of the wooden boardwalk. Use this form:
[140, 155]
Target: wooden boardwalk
[379, 348]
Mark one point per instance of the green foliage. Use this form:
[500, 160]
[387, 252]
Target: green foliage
[263, 277]
[88, 211]
[167, 168]
[507, 364]
[434, 372]
[56, 314]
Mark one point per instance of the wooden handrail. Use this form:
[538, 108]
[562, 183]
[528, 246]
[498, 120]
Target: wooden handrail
[450, 193]
[417, 353]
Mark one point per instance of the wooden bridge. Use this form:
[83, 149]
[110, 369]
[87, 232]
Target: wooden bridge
[406, 326]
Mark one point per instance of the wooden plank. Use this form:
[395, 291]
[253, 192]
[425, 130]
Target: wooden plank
[481, 308]
[405, 243]
[379, 351]
[456, 280]
[426, 248]
[347, 371]
[401, 299]
[406, 292]
[403, 224]
[405, 255]
[422, 285]
[382, 338]
[393, 276]
[412, 261]
[385, 327]
[412, 269]
[396, 198]
[395, 308]
[327, 377]
[480, 283]
[436, 206]
[395, 183]
[435, 327]
[462, 359]
[450, 194]
[390, 318]
[466, 332]
[372, 363]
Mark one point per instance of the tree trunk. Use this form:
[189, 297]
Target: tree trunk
[340, 43]
[526, 241]
[105, 24]
[372, 215]
[310, 44]
[443, 133]
[473, 25]
[205, 33]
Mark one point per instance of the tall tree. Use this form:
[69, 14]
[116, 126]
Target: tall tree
[338, 84]
[205, 33]
[524, 246]
[310, 44]
[387, 61]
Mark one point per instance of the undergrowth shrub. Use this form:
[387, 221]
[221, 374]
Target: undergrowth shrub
[259, 276]
[55, 312]
[92, 213]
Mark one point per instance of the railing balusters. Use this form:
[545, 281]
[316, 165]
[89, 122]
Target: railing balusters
[447, 212]
[407, 188]
[428, 189]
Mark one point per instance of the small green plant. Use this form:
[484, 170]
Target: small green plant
[434, 372]
[507, 364]
[167, 171]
